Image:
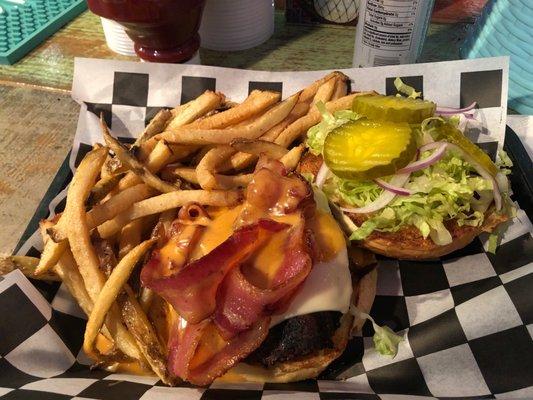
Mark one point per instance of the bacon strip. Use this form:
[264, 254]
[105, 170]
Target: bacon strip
[183, 349]
[240, 304]
[192, 290]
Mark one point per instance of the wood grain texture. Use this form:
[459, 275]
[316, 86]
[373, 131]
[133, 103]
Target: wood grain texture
[292, 47]
[37, 129]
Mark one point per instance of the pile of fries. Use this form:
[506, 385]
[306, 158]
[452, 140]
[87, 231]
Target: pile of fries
[201, 152]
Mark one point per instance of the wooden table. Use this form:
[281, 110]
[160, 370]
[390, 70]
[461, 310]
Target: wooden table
[38, 118]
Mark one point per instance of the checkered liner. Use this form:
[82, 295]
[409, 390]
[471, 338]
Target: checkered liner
[466, 320]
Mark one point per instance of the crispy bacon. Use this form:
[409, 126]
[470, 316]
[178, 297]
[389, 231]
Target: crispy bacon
[272, 193]
[192, 290]
[183, 348]
[272, 165]
[223, 309]
[240, 303]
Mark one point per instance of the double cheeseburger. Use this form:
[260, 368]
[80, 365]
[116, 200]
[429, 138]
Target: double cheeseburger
[403, 179]
[261, 292]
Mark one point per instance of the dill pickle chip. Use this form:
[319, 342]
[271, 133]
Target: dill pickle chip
[393, 108]
[366, 149]
[451, 134]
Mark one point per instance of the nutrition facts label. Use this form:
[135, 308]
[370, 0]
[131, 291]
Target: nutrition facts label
[389, 25]
[390, 31]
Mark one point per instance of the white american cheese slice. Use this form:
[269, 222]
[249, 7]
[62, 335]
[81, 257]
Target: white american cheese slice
[328, 287]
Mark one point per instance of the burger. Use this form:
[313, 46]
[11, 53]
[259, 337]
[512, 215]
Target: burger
[268, 291]
[403, 179]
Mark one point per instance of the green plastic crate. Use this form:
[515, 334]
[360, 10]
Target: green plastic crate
[26, 23]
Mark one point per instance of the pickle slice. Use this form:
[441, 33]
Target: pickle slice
[365, 149]
[453, 135]
[393, 108]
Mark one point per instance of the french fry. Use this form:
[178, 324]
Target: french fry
[103, 304]
[301, 125]
[80, 243]
[341, 87]
[159, 153]
[309, 92]
[67, 271]
[168, 201]
[156, 125]
[105, 211]
[160, 156]
[130, 236]
[159, 233]
[242, 160]
[103, 187]
[140, 327]
[257, 102]
[194, 109]
[146, 298]
[52, 250]
[183, 115]
[205, 171]
[325, 91]
[111, 166]
[292, 158]
[258, 147]
[178, 172]
[26, 265]
[188, 135]
[223, 181]
[135, 165]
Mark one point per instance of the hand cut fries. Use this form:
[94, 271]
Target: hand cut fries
[26, 265]
[167, 201]
[258, 147]
[224, 181]
[110, 290]
[138, 169]
[191, 111]
[82, 249]
[124, 200]
[193, 135]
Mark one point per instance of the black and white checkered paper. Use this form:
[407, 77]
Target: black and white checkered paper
[466, 320]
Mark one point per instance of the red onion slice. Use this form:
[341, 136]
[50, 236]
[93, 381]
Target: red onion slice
[322, 175]
[400, 191]
[426, 162]
[453, 111]
[385, 198]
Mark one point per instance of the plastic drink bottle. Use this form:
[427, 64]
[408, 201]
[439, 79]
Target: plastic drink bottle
[390, 32]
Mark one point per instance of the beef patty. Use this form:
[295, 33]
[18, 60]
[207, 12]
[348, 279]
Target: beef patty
[297, 337]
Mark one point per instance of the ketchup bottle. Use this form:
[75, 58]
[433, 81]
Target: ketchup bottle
[162, 30]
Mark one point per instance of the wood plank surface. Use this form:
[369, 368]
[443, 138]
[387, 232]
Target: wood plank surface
[292, 47]
[37, 128]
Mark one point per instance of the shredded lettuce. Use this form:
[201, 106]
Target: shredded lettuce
[504, 162]
[443, 191]
[317, 134]
[494, 239]
[409, 91]
[385, 340]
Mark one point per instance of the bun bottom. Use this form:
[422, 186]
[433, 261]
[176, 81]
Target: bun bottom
[312, 365]
[408, 243]
[424, 249]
